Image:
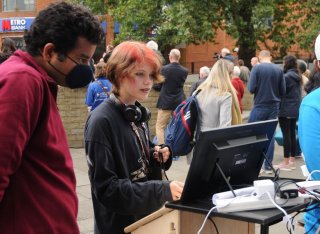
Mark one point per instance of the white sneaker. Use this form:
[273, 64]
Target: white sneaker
[292, 165]
[282, 167]
[265, 171]
[268, 171]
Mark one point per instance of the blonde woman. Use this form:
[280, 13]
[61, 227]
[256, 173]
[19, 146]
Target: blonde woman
[219, 106]
[218, 101]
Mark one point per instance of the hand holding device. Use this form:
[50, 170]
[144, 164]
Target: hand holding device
[161, 153]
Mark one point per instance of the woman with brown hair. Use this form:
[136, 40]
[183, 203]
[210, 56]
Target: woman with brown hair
[8, 47]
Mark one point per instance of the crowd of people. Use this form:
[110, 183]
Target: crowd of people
[277, 93]
[126, 169]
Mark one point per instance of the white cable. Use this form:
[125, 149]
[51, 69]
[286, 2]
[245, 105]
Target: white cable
[273, 202]
[216, 207]
[309, 176]
[205, 219]
[313, 195]
[283, 211]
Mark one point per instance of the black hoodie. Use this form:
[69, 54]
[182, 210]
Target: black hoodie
[290, 102]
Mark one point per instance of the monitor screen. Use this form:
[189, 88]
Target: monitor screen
[238, 151]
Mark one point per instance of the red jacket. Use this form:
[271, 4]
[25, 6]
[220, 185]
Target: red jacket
[239, 86]
[37, 181]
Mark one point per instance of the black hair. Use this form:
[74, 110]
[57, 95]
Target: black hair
[290, 62]
[62, 24]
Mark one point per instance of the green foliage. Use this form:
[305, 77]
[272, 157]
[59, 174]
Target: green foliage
[137, 18]
[180, 26]
[250, 22]
[310, 27]
[172, 22]
[97, 6]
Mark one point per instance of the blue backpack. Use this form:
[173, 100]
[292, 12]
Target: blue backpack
[179, 133]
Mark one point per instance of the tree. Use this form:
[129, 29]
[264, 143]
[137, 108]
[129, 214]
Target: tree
[271, 23]
[251, 22]
[309, 15]
[97, 6]
[171, 22]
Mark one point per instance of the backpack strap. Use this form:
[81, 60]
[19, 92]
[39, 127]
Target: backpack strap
[197, 92]
[197, 129]
[104, 89]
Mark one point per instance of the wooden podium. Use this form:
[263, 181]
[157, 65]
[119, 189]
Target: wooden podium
[169, 221]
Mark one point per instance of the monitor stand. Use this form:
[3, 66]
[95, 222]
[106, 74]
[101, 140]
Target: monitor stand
[225, 179]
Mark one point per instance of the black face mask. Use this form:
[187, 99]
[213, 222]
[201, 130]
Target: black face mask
[79, 76]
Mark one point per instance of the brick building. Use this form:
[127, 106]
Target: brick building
[17, 15]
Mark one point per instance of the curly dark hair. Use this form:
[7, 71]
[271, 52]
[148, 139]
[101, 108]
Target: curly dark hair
[61, 24]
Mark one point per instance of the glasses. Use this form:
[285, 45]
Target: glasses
[82, 61]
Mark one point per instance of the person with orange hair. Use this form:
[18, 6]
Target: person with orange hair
[125, 168]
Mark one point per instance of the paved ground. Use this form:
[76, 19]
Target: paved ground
[178, 171]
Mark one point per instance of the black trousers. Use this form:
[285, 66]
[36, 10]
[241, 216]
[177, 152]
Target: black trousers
[288, 128]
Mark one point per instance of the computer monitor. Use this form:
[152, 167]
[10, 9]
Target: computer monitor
[237, 152]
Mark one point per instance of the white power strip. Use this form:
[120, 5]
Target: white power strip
[253, 203]
[239, 192]
[311, 184]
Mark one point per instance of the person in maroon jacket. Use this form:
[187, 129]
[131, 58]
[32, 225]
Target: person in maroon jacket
[37, 180]
[238, 84]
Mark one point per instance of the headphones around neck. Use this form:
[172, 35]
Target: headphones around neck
[132, 113]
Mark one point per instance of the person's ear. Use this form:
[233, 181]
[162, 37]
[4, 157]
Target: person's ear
[48, 51]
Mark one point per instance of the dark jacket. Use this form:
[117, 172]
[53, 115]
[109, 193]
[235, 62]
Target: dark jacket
[267, 84]
[121, 192]
[290, 102]
[172, 94]
[229, 57]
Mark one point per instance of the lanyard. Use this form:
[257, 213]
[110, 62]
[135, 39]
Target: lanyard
[143, 146]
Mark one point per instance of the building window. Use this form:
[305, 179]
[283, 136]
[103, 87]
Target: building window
[18, 5]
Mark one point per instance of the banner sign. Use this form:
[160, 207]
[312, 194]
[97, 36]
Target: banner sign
[15, 24]
[21, 24]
